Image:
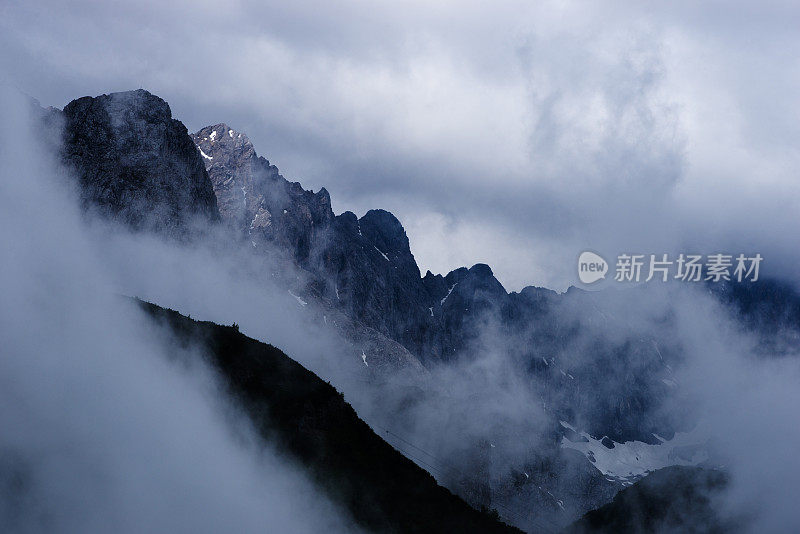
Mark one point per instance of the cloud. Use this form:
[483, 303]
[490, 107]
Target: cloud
[742, 403]
[558, 125]
[104, 427]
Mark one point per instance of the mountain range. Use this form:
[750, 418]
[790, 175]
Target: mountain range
[601, 383]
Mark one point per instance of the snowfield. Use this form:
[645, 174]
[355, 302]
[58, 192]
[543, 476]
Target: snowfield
[628, 462]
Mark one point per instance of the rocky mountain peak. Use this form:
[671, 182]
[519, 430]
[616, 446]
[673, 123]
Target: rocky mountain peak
[481, 270]
[384, 230]
[484, 279]
[253, 196]
[135, 162]
[223, 143]
[136, 104]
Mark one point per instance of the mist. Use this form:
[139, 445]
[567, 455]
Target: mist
[107, 425]
[743, 403]
[482, 423]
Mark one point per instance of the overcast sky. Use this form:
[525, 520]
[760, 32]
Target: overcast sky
[515, 134]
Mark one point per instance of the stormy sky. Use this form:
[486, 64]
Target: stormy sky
[514, 133]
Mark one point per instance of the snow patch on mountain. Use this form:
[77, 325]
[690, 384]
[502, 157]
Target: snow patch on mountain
[385, 257]
[298, 299]
[448, 293]
[628, 462]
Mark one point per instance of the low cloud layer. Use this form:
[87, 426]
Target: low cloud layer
[525, 132]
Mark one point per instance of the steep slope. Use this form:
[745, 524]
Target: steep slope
[674, 499]
[363, 267]
[255, 199]
[135, 163]
[309, 420]
[342, 271]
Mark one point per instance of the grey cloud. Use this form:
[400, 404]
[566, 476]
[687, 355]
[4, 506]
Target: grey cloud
[569, 121]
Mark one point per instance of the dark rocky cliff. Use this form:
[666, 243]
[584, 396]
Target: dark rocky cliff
[361, 266]
[135, 163]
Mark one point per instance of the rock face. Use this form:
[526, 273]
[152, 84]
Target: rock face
[362, 266]
[135, 163]
[376, 279]
[256, 200]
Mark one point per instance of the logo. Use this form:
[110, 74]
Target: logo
[591, 267]
[637, 268]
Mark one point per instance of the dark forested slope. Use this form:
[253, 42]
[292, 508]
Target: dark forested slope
[310, 421]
